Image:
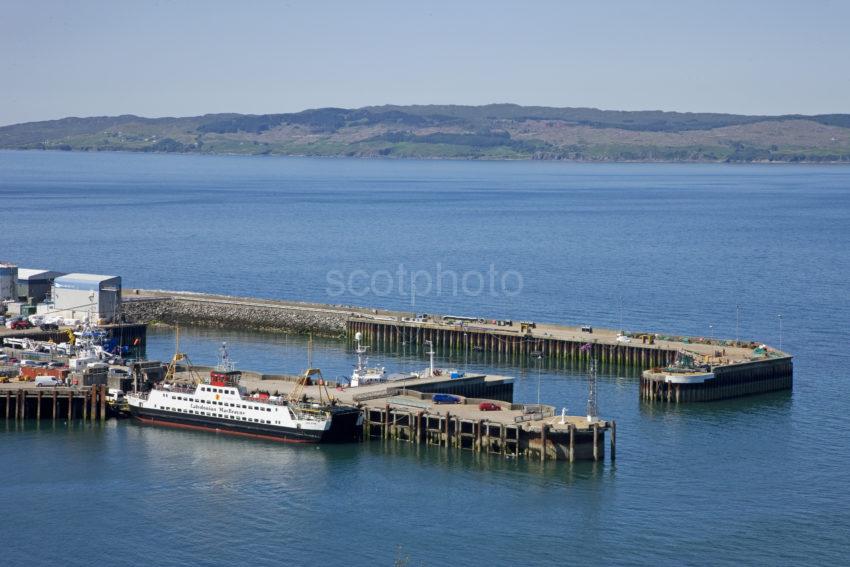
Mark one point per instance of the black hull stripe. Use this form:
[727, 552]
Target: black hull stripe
[343, 427]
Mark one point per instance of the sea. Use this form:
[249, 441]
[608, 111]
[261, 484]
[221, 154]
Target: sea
[760, 252]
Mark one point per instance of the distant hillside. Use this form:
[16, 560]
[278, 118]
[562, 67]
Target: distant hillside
[496, 131]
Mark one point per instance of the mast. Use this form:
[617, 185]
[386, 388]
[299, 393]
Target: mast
[430, 353]
[592, 406]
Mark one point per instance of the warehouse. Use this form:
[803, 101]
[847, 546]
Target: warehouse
[8, 281]
[87, 297]
[34, 285]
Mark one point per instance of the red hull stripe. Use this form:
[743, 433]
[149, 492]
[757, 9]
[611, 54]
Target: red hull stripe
[152, 421]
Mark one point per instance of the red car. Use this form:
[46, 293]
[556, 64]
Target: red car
[489, 406]
[22, 324]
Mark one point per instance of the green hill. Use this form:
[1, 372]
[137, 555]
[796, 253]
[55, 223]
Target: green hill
[496, 131]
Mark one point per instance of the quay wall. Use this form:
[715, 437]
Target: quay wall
[731, 381]
[389, 334]
[236, 314]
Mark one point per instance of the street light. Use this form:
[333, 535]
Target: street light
[539, 356]
[737, 323]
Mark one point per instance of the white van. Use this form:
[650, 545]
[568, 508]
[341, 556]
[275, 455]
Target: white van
[46, 381]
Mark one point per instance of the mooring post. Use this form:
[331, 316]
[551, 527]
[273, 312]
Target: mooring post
[38, 407]
[70, 405]
[85, 405]
[23, 404]
[54, 404]
[543, 431]
[102, 402]
[93, 413]
[8, 402]
[595, 441]
[613, 440]
[386, 420]
[572, 429]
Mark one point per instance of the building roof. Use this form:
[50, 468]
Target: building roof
[36, 274]
[91, 282]
[94, 278]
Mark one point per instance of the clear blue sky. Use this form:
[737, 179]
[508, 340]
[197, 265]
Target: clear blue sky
[83, 58]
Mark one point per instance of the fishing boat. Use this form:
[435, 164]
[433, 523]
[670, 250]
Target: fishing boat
[219, 403]
[362, 374]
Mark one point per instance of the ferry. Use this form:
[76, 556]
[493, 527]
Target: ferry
[222, 405]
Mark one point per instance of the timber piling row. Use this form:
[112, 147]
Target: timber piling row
[543, 442]
[86, 403]
[392, 334]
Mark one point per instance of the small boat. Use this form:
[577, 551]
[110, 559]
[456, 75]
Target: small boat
[362, 374]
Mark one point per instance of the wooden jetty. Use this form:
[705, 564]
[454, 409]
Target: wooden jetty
[19, 401]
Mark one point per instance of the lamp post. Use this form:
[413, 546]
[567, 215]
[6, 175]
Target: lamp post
[737, 323]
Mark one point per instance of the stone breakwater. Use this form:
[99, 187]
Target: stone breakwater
[215, 311]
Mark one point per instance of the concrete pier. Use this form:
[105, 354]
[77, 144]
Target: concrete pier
[737, 368]
[404, 411]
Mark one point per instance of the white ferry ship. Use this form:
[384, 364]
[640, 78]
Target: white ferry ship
[222, 405]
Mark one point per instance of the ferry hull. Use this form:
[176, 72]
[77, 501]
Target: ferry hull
[344, 426]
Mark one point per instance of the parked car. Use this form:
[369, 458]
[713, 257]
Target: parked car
[21, 324]
[445, 399]
[489, 406]
[49, 327]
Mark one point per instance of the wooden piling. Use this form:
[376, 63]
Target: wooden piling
[613, 440]
[572, 429]
[55, 395]
[544, 430]
[595, 441]
[38, 407]
[102, 402]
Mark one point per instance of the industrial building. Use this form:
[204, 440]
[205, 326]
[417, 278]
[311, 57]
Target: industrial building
[34, 286]
[86, 297]
[8, 281]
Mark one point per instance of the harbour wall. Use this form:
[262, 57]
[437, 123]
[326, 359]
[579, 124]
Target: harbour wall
[732, 381]
[236, 313]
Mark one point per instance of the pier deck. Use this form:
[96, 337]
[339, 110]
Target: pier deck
[736, 368]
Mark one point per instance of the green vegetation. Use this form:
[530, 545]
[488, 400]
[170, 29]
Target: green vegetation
[496, 131]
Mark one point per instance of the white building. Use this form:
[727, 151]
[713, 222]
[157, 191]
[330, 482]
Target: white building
[87, 296]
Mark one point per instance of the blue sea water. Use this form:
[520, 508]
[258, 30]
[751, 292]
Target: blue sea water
[667, 248]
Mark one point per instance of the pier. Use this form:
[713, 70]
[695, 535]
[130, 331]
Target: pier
[20, 401]
[404, 411]
[674, 369]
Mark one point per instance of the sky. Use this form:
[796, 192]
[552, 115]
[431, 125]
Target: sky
[163, 58]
